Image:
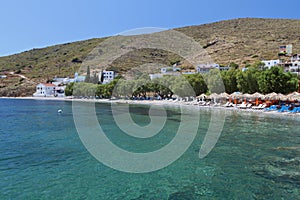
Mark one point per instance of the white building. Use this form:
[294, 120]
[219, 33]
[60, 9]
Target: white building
[165, 70]
[44, 90]
[293, 67]
[188, 72]
[223, 68]
[154, 76]
[59, 91]
[270, 63]
[106, 76]
[204, 68]
[78, 78]
[295, 57]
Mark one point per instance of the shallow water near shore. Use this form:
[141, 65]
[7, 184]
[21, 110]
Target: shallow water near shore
[42, 157]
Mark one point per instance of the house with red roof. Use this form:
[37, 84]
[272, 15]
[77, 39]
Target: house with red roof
[45, 90]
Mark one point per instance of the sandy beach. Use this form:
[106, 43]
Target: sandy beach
[189, 104]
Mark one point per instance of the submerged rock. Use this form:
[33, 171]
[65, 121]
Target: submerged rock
[182, 195]
[281, 170]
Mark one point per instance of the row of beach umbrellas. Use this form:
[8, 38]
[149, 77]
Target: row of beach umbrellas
[237, 95]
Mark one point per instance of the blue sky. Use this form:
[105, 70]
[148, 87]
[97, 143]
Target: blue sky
[39, 23]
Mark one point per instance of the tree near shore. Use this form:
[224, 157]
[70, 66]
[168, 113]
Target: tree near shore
[250, 81]
[276, 80]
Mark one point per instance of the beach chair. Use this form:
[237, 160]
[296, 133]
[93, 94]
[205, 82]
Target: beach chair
[258, 107]
[295, 110]
[226, 104]
[271, 108]
[230, 105]
[284, 109]
[201, 103]
[242, 106]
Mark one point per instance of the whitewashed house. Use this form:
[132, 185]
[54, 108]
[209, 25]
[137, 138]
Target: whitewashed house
[204, 68]
[270, 63]
[167, 69]
[295, 57]
[154, 76]
[107, 76]
[293, 65]
[44, 90]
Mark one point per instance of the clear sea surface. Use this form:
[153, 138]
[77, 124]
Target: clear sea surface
[42, 157]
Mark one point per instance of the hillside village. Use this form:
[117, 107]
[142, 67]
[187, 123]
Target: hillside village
[288, 61]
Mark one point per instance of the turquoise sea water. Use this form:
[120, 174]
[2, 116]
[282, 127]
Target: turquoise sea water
[42, 157]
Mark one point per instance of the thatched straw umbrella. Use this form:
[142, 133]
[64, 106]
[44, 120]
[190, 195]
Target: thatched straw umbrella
[246, 96]
[223, 96]
[294, 96]
[281, 97]
[257, 95]
[214, 96]
[202, 97]
[271, 96]
[235, 96]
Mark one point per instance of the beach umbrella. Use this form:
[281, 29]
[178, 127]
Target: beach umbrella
[271, 96]
[213, 96]
[246, 95]
[224, 95]
[236, 95]
[294, 96]
[282, 97]
[202, 96]
[257, 95]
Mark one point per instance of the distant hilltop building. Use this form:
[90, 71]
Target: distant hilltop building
[285, 50]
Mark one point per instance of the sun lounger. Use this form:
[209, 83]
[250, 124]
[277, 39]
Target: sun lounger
[271, 108]
[259, 107]
[226, 104]
[242, 106]
[201, 103]
[295, 110]
[284, 109]
[229, 105]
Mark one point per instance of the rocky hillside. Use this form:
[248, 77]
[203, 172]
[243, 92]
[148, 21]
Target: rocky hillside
[241, 41]
[246, 40]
